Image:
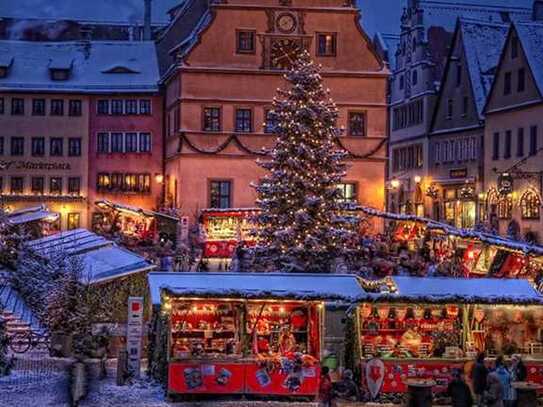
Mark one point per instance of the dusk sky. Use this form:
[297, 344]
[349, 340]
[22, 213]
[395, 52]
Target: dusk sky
[381, 15]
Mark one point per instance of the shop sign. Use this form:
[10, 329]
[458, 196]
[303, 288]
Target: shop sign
[458, 173]
[375, 375]
[505, 184]
[30, 165]
[134, 332]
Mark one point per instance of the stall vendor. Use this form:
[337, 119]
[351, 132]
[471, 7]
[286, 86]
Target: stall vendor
[287, 341]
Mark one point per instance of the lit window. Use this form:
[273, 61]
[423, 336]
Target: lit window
[530, 205]
[212, 119]
[245, 42]
[326, 44]
[244, 121]
[220, 194]
[357, 124]
[74, 220]
[55, 185]
[348, 192]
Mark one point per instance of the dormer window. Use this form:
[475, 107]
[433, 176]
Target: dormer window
[5, 64]
[60, 69]
[60, 74]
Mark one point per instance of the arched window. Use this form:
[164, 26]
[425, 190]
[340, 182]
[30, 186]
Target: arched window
[530, 205]
[492, 202]
[505, 207]
[415, 79]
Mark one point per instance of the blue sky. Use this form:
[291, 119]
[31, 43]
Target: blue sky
[381, 15]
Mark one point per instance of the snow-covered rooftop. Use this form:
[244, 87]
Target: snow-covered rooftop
[476, 290]
[31, 214]
[483, 44]
[96, 11]
[103, 259]
[531, 38]
[89, 64]
[341, 287]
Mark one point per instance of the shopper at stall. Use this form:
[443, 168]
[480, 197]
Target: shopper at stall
[519, 373]
[494, 392]
[325, 387]
[459, 391]
[346, 388]
[479, 376]
[505, 379]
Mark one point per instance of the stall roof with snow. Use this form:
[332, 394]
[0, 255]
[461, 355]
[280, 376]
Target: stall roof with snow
[333, 287]
[102, 258]
[33, 214]
[104, 203]
[463, 290]
[90, 66]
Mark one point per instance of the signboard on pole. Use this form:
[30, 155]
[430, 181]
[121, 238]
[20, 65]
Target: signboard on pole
[134, 332]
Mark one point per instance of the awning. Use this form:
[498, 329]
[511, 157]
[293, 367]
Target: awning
[103, 260]
[104, 203]
[33, 214]
[461, 290]
[291, 286]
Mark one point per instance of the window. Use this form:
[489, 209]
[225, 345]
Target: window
[244, 121]
[521, 84]
[145, 142]
[38, 146]
[530, 205]
[103, 182]
[357, 124]
[507, 83]
[17, 107]
[55, 185]
[57, 107]
[245, 42]
[131, 106]
[60, 74]
[1, 185]
[17, 185]
[74, 221]
[450, 108]
[144, 183]
[401, 82]
[514, 47]
[116, 107]
[220, 194]
[507, 146]
[131, 141]
[74, 108]
[116, 142]
[2, 108]
[458, 75]
[533, 140]
[74, 185]
[415, 77]
[326, 44]
[271, 122]
[102, 107]
[505, 207]
[17, 146]
[496, 146]
[102, 143]
[1, 145]
[74, 147]
[212, 119]
[145, 106]
[56, 147]
[465, 103]
[38, 185]
[348, 192]
[520, 142]
[38, 107]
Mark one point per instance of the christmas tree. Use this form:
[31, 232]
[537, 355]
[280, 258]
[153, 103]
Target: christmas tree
[303, 225]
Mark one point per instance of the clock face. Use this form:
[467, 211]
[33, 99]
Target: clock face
[286, 23]
[284, 53]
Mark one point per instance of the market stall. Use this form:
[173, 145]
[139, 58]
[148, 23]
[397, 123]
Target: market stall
[423, 328]
[243, 333]
[224, 229]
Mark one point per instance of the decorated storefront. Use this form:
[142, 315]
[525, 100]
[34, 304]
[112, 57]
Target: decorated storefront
[233, 333]
[223, 230]
[423, 328]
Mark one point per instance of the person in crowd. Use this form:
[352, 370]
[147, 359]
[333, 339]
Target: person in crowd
[346, 388]
[479, 375]
[519, 373]
[494, 393]
[459, 391]
[505, 379]
[325, 387]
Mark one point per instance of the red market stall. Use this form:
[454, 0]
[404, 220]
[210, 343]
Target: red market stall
[223, 229]
[423, 328]
[243, 333]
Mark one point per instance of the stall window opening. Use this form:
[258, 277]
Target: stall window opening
[220, 194]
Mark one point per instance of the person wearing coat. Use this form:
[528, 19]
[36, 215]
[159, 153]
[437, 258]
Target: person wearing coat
[478, 376]
[494, 392]
[459, 391]
[505, 378]
[519, 373]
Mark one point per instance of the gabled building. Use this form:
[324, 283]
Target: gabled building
[427, 28]
[513, 133]
[455, 172]
[222, 63]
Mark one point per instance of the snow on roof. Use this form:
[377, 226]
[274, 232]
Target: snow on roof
[89, 63]
[531, 38]
[96, 11]
[103, 203]
[31, 214]
[389, 44]
[483, 44]
[476, 290]
[103, 259]
[343, 287]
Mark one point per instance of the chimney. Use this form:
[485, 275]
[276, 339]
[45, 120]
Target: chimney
[537, 10]
[147, 20]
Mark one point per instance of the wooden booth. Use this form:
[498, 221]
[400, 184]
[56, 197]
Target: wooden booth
[244, 333]
[422, 328]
